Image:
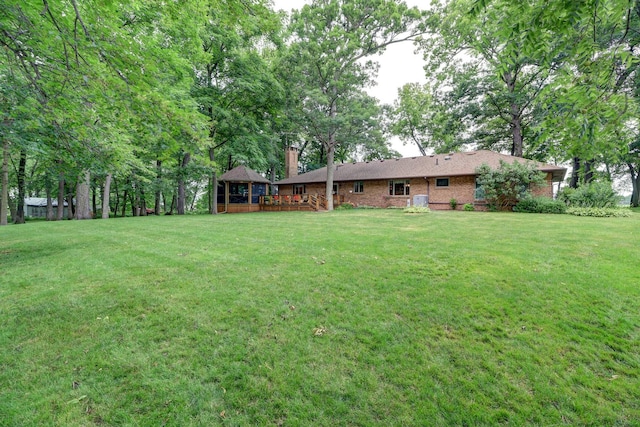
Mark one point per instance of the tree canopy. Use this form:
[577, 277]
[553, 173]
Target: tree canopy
[552, 82]
[143, 103]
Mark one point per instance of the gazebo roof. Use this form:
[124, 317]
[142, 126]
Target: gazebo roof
[243, 174]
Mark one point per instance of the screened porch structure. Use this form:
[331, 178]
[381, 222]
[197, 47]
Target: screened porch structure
[241, 190]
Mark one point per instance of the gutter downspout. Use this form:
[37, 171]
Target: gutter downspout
[428, 192]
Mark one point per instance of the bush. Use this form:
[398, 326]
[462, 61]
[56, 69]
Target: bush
[417, 209]
[344, 207]
[593, 195]
[540, 205]
[511, 182]
[453, 203]
[468, 207]
[600, 212]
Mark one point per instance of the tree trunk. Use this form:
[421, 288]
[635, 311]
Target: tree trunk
[19, 219]
[329, 187]
[94, 203]
[60, 209]
[12, 208]
[132, 199]
[635, 181]
[213, 202]
[181, 196]
[135, 201]
[143, 204]
[331, 151]
[124, 202]
[272, 178]
[83, 199]
[214, 193]
[575, 173]
[588, 171]
[193, 199]
[213, 181]
[4, 192]
[158, 194]
[173, 204]
[50, 215]
[517, 149]
[182, 183]
[582, 172]
[71, 207]
[105, 197]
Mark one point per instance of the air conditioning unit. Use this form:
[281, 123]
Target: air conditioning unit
[421, 200]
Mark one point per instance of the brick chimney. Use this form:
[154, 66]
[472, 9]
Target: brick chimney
[290, 162]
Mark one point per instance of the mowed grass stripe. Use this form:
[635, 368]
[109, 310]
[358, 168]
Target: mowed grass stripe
[363, 317]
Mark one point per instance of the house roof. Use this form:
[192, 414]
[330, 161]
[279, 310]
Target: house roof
[41, 201]
[243, 174]
[436, 165]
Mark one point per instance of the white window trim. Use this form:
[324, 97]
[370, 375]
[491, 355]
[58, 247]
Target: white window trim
[407, 184]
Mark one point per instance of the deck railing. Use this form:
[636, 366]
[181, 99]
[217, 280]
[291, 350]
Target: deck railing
[318, 201]
[313, 201]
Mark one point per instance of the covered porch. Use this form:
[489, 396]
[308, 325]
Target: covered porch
[241, 190]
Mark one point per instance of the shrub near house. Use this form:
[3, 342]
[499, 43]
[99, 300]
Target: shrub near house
[532, 204]
[597, 199]
[506, 185]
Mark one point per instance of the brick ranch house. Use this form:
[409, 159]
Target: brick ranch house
[427, 180]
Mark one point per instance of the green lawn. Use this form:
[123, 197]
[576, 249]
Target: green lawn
[361, 317]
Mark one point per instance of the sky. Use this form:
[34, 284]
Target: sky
[399, 65]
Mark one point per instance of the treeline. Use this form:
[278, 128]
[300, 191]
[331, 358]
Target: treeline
[130, 102]
[143, 103]
[550, 81]
[134, 106]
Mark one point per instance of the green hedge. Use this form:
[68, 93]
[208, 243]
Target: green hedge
[599, 194]
[540, 205]
[600, 212]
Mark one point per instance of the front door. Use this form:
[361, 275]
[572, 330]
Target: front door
[336, 196]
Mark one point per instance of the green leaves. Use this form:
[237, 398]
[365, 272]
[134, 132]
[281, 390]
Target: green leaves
[333, 39]
[510, 182]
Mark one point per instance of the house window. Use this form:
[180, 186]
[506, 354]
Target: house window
[358, 187]
[442, 182]
[399, 188]
[479, 193]
[299, 189]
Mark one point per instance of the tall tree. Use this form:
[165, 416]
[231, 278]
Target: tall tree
[4, 191]
[592, 106]
[483, 57]
[94, 68]
[333, 43]
[236, 88]
[433, 119]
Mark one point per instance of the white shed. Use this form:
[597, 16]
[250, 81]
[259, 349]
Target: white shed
[36, 207]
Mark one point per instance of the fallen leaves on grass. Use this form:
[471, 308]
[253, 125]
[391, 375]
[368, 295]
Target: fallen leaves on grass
[319, 331]
[77, 400]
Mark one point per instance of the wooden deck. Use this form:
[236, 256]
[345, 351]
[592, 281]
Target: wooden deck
[305, 202]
